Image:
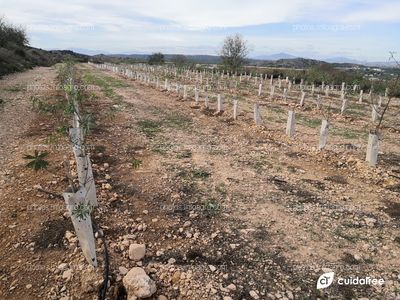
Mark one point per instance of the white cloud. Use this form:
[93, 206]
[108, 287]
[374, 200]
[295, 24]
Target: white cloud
[177, 25]
[189, 14]
[378, 12]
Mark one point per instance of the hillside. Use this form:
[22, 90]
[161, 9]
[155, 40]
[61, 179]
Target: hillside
[16, 54]
[295, 62]
[15, 58]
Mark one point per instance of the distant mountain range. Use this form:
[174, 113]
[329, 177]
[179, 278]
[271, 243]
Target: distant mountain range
[276, 56]
[286, 59]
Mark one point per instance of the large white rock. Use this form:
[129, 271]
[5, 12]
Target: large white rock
[138, 284]
[137, 251]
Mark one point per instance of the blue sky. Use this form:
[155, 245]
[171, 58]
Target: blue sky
[358, 29]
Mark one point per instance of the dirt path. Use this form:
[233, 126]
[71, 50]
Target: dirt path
[226, 209]
[23, 271]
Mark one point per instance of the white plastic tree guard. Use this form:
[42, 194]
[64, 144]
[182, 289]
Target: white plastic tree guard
[85, 177]
[83, 226]
[206, 100]
[323, 137]
[235, 109]
[318, 101]
[196, 96]
[272, 92]
[285, 94]
[257, 114]
[376, 113]
[185, 92]
[344, 105]
[75, 135]
[303, 95]
[220, 103]
[291, 124]
[360, 100]
[372, 149]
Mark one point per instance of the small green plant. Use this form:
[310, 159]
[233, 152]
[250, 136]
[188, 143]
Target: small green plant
[36, 102]
[111, 113]
[177, 121]
[88, 123]
[68, 108]
[201, 174]
[212, 206]
[221, 188]
[63, 130]
[81, 211]
[162, 147]
[184, 154]
[136, 163]
[309, 122]
[149, 127]
[37, 160]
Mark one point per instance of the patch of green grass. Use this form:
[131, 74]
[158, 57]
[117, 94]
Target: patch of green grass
[201, 174]
[103, 80]
[193, 174]
[149, 127]
[177, 121]
[106, 83]
[136, 163]
[63, 129]
[276, 114]
[277, 110]
[161, 147]
[348, 133]
[313, 123]
[354, 112]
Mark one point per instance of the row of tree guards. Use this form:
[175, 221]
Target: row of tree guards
[215, 81]
[80, 198]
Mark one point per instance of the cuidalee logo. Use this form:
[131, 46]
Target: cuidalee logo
[325, 280]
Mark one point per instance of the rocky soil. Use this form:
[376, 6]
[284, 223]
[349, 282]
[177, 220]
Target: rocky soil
[193, 205]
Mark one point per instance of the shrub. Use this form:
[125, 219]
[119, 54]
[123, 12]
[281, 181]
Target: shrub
[37, 160]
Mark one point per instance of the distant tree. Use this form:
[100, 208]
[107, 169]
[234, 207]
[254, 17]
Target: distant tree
[156, 59]
[180, 60]
[12, 34]
[234, 52]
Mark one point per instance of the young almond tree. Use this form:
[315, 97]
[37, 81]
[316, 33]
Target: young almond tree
[375, 133]
[234, 52]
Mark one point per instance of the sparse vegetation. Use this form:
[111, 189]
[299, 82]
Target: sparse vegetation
[37, 160]
[136, 163]
[149, 127]
[16, 55]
